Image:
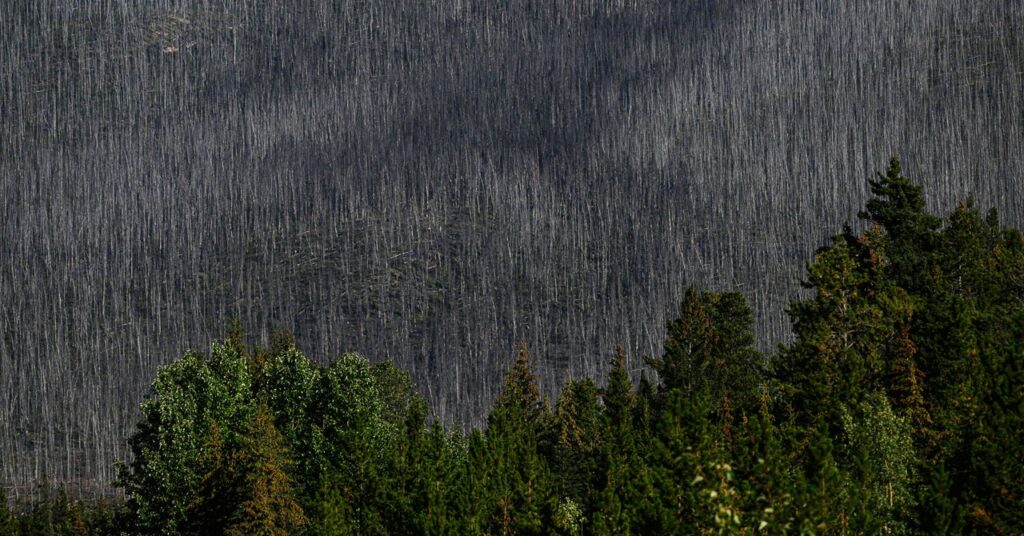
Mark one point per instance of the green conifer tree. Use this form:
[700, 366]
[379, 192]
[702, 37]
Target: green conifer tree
[689, 347]
[709, 352]
[331, 514]
[626, 481]
[247, 489]
[898, 208]
[843, 348]
[213, 505]
[515, 470]
[768, 484]
[824, 505]
[685, 452]
[579, 431]
[618, 396]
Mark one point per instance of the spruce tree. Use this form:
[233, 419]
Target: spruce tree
[898, 208]
[709, 352]
[626, 481]
[580, 434]
[514, 469]
[618, 396]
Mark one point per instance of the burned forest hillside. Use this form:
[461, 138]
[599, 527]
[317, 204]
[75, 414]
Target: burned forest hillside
[433, 182]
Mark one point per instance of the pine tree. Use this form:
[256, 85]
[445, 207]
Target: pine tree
[992, 448]
[685, 451]
[623, 505]
[824, 504]
[439, 482]
[625, 482]
[768, 483]
[247, 490]
[689, 347]
[646, 403]
[331, 515]
[520, 393]
[945, 513]
[906, 388]
[69, 516]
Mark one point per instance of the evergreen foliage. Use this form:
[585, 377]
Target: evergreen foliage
[897, 408]
[709, 353]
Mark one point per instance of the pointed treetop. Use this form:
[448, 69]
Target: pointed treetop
[898, 204]
[618, 394]
[688, 342]
[520, 387]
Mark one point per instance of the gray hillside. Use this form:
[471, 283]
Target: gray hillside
[433, 184]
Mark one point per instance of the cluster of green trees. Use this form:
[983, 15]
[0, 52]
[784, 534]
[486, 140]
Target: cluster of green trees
[898, 408]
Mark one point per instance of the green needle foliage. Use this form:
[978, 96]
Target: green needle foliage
[897, 408]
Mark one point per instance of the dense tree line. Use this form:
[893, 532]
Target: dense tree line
[898, 408]
[432, 182]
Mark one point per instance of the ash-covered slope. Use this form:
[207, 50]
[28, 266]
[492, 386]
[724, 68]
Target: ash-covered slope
[433, 184]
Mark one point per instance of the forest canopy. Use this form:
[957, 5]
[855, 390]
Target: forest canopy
[898, 408]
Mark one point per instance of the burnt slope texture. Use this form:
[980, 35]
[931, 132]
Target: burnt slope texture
[432, 182]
